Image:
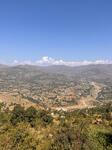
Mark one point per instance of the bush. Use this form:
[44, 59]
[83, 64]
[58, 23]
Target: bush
[45, 118]
[18, 115]
[31, 115]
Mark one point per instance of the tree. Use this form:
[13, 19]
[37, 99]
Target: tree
[18, 114]
[31, 115]
[46, 119]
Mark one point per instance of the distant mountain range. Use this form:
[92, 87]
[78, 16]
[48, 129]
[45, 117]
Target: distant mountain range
[57, 86]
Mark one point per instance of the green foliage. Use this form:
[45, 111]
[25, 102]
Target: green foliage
[63, 140]
[1, 106]
[105, 139]
[31, 115]
[45, 118]
[34, 129]
[18, 115]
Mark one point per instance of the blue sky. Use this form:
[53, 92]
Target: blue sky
[61, 29]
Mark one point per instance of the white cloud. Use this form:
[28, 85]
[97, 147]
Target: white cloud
[16, 62]
[47, 61]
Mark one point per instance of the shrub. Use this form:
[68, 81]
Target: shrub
[31, 115]
[18, 115]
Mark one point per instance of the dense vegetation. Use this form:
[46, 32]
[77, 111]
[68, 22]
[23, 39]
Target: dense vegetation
[31, 129]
